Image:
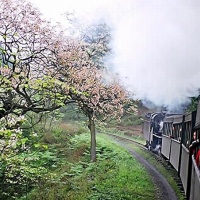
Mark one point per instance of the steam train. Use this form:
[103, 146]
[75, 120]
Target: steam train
[170, 135]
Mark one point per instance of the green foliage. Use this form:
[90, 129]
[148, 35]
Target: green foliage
[193, 105]
[64, 171]
[62, 132]
[131, 119]
[72, 112]
[24, 161]
[116, 175]
[19, 174]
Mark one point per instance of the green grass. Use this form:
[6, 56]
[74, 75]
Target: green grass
[115, 131]
[160, 164]
[165, 169]
[115, 175]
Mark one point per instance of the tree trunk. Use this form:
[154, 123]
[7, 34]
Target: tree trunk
[93, 138]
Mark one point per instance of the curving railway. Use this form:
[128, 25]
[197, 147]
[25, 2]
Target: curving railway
[164, 190]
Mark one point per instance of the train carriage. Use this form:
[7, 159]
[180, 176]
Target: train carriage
[166, 136]
[194, 190]
[175, 139]
[175, 145]
[152, 130]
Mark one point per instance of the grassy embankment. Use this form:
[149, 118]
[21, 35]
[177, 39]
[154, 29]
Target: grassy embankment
[164, 168]
[159, 163]
[115, 175]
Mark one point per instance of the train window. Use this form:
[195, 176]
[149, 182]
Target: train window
[177, 131]
[170, 129]
[198, 133]
[165, 129]
[189, 131]
[187, 134]
[173, 132]
[180, 132]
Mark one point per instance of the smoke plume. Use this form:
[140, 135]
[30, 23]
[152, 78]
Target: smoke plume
[156, 46]
[156, 49]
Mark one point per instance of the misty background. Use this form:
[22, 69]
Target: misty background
[155, 44]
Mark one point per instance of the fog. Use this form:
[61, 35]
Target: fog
[155, 46]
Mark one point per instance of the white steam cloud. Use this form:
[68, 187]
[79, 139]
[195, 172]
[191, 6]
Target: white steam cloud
[156, 46]
[157, 51]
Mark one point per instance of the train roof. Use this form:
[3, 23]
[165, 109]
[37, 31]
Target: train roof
[175, 118]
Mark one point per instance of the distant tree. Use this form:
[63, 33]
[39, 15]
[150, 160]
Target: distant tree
[97, 37]
[193, 105]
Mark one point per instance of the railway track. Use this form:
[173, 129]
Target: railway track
[159, 158]
[128, 140]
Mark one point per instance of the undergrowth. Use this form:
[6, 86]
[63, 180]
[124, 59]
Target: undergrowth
[115, 175]
[115, 131]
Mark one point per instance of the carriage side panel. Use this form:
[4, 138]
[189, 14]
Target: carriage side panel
[175, 154]
[166, 146]
[184, 167]
[146, 129]
[195, 182]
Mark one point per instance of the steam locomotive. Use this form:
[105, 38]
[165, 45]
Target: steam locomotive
[170, 135]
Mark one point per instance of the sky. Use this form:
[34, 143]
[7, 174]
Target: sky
[155, 43]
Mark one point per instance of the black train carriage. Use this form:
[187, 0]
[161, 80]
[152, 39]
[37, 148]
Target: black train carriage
[152, 130]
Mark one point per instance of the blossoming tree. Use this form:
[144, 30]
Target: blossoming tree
[28, 53]
[42, 70]
[97, 97]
